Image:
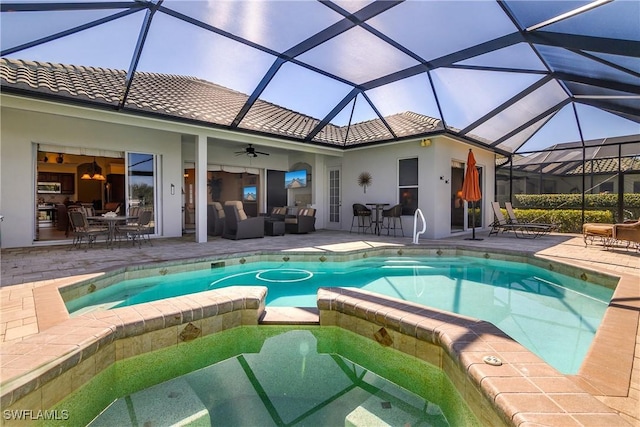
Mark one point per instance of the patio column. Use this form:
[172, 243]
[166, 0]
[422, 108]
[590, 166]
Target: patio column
[201, 189]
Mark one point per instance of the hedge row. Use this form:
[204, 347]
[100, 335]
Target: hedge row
[573, 201]
[566, 220]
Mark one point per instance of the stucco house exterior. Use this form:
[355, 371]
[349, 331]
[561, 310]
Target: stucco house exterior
[47, 106]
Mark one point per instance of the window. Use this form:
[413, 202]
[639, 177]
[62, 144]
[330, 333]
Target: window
[408, 185]
[606, 187]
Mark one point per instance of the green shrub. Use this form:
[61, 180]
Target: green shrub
[573, 201]
[566, 220]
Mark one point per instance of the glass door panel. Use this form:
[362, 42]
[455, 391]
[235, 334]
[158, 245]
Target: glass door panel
[457, 204]
[335, 199]
[141, 183]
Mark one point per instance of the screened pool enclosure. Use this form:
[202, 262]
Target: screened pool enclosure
[552, 87]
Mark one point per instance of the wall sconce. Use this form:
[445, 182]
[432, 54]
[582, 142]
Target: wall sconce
[425, 143]
[173, 189]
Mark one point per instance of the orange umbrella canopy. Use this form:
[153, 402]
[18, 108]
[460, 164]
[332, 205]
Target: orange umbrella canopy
[471, 185]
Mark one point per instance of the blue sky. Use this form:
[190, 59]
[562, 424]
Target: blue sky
[175, 47]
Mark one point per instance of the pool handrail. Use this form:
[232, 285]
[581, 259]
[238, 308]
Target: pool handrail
[416, 234]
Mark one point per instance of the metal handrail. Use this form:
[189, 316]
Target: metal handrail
[416, 234]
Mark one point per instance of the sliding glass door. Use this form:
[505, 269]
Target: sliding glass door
[142, 184]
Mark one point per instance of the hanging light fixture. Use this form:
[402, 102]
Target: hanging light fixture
[95, 175]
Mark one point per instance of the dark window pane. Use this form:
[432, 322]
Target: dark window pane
[409, 200]
[408, 172]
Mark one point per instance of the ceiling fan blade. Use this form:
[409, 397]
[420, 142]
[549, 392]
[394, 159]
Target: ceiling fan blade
[260, 152]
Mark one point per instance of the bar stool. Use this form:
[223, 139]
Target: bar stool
[361, 215]
[393, 217]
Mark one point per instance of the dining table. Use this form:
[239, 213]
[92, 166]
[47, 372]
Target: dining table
[377, 217]
[112, 221]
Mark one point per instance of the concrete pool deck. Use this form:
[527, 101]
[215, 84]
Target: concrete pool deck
[29, 274]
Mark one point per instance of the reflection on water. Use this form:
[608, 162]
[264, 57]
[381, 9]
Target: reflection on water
[287, 383]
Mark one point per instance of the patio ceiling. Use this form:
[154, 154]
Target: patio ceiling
[514, 76]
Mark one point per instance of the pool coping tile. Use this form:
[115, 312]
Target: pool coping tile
[516, 388]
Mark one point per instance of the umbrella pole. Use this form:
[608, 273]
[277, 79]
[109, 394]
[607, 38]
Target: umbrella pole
[473, 224]
[473, 220]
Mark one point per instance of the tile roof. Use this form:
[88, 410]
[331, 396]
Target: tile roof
[192, 98]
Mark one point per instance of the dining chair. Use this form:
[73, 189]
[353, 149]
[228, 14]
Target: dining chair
[138, 230]
[82, 229]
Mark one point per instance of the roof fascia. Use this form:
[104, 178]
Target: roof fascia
[154, 122]
[442, 132]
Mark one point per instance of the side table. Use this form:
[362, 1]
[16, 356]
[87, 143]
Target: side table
[274, 228]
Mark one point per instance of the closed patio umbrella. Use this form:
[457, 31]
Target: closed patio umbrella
[471, 188]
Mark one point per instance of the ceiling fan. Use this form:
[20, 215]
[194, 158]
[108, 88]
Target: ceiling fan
[250, 151]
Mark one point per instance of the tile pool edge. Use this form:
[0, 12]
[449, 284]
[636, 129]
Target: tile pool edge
[515, 390]
[64, 356]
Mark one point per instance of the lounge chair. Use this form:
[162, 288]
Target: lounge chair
[513, 219]
[628, 232]
[597, 230]
[525, 231]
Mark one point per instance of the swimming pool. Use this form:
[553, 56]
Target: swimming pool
[553, 315]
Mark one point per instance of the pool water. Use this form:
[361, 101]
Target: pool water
[271, 375]
[287, 383]
[553, 315]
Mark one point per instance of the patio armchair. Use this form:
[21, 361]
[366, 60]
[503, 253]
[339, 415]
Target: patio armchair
[215, 219]
[277, 214]
[303, 222]
[237, 225]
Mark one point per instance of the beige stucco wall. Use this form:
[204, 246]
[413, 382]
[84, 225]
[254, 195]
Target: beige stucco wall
[434, 195]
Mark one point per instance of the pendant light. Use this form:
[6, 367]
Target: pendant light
[95, 175]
